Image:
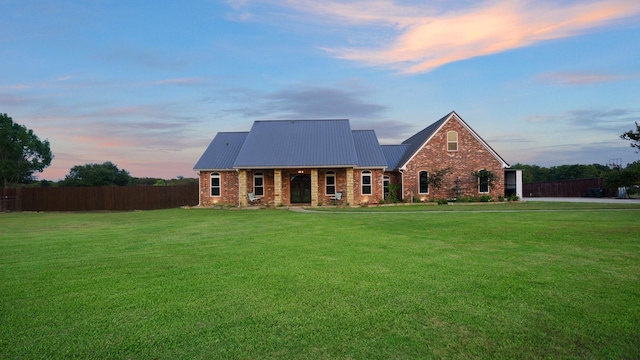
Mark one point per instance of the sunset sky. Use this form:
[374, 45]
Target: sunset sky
[148, 84]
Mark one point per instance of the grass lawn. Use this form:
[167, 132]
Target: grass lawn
[202, 283]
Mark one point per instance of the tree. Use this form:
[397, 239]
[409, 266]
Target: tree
[627, 177]
[106, 174]
[633, 136]
[436, 179]
[22, 153]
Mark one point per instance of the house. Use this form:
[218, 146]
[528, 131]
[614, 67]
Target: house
[291, 162]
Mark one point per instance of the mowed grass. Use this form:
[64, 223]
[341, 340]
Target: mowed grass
[202, 283]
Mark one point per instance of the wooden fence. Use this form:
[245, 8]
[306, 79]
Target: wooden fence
[568, 188]
[109, 198]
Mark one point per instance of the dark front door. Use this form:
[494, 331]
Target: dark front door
[300, 189]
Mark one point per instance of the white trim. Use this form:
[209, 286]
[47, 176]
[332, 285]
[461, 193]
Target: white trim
[334, 175]
[451, 142]
[258, 175]
[468, 128]
[384, 188]
[370, 185]
[219, 176]
[488, 187]
[419, 186]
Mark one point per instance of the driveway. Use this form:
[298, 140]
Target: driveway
[584, 199]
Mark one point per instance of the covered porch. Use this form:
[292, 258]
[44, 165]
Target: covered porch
[296, 186]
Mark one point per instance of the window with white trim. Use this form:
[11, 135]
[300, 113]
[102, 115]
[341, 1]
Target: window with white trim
[423, 182]
[366, 182]
[330, 183]
[452, 141]
[215, 184]
[483, 184]
[258, 184]
[385, 186]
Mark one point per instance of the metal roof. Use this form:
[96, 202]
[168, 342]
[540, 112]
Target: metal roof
[296, 143]
[368, 149]
[222, 151]
[419, 139]
[315, 143]
[393, 154]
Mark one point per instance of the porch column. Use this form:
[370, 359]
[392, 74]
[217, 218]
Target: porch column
[277, 187]
[314, 187]
[349, 193]
[242, 186]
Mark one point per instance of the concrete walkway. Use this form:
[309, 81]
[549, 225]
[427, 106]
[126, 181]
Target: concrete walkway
[584, 199]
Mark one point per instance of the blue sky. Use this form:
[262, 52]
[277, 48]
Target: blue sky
[148, 84]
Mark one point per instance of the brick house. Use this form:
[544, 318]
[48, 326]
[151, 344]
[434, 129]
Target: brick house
[306, 162]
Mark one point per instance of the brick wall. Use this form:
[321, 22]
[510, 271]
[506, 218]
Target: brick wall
[228, 189]
[471, 156]
[376, 187]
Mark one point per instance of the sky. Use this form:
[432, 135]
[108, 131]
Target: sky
[147, 84]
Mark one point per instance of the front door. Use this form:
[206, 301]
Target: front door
[300, 189]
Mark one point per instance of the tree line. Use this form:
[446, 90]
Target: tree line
[22, 154]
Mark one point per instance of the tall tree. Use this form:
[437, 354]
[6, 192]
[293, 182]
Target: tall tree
[105, 174]
[633, 136]
[22, 153]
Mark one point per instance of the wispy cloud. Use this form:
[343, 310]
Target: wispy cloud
[425, 37]
[302, 101]
[607, 120]
[576, 78]
[181, 81]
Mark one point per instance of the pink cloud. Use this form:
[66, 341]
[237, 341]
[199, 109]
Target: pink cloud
[426, 38]
[180, 81]
[576, 78]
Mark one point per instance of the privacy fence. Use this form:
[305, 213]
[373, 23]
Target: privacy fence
[568, 188]
[109, 198]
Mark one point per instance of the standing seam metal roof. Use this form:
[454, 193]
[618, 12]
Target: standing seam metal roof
[368, 149]
[393, 154]
[292, 143]
[222, 151]
[416, 141]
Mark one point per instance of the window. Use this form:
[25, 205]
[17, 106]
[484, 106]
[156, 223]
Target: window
[258, 184]
[452, 141]
[423, 182]
[483, 184]
[366, 182]
[215, 184]
[385, 186]
[330, 183]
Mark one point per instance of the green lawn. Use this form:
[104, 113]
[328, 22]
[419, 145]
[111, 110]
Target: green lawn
[202, 283]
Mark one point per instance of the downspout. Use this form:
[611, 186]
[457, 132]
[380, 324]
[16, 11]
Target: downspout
[238, 177]
[199, 189]
[402, 183]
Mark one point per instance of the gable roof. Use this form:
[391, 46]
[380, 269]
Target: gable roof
[394, 154]
[368, 149]
[296, 143]
[317, 143]
[222, 151]
[417, 141]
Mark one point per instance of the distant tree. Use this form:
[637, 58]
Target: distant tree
[144, 181]
[22, 153]
[106, 174]
[633, 136]
[535, 173]
[626, 177]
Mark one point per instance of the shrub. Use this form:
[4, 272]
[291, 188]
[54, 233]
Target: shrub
[442, 202]
[486, 198]
[513, 198]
